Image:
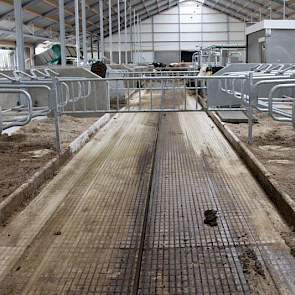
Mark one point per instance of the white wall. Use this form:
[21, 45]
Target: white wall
[184, 28]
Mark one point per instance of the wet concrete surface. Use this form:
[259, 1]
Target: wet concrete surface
[126, 216]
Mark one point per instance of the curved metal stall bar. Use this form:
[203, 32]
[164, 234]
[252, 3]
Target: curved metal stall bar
[44, 111]
[19, 74]
[28, 98]
[7, 77]
[263, 107]
[270, 105]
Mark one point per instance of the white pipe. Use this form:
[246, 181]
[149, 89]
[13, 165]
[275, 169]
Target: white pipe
[84, 37]
[77, 26]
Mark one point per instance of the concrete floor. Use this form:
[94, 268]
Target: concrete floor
[126, 216]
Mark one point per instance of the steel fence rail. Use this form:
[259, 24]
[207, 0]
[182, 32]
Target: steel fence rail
[139, 92]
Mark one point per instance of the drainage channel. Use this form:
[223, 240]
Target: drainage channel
[146, 214]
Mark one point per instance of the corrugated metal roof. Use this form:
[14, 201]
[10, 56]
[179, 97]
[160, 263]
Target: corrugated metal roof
[41, 16]
[254, 10]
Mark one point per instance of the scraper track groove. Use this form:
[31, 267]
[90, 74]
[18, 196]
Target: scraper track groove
[171, 253]
[194, 172]
[100, 225]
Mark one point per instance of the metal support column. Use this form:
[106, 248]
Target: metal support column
[135, 37]
[62, 34]
[84, 32]
[101, 29]
[20, 48]
[179, 31]
[125, 21]
[228, 31]
[54, 95]
[91, 46]
[119, 32]
[110, 32]
[1, 119]
[140, 41]
[131, 35]
[250, 109]
[153, 38]
[77, 27]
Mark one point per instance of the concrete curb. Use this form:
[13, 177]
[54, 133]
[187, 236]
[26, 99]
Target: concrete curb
[282, 201]
[79, 142]
[30, 189]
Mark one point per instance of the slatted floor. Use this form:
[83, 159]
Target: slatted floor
[126, 217]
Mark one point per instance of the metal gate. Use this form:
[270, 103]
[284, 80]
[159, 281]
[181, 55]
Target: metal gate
[162, 91]
[134, 92]
[171, 91]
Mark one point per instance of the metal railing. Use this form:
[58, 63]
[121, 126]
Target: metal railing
[27, 81]
[21, 83]
[17, 120]
[153, 94]
[284, 116]
[62, 97]
[271, 79]
[161, 92]
[149, 92]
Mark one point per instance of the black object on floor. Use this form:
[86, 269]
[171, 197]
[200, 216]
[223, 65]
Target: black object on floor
[210, 217]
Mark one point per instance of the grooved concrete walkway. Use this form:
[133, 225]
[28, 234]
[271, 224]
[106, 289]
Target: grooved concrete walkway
[125, 216]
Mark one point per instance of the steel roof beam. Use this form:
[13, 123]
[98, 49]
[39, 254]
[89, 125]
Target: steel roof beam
[234, 8]
[11, 11]
[223, 9]
[26, 35]
[153, 12]
[258, 8]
